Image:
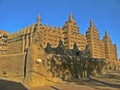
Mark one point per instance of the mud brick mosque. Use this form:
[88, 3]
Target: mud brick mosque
[42, 53]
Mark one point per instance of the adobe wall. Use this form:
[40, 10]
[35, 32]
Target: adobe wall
[14, 47]
[36, 72]
[12, 67]
[43, 68]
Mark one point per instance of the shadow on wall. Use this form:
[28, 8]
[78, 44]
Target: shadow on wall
[10, 85]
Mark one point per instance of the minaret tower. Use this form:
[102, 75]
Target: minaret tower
[107, 42]
[93, 40]
[70, 27]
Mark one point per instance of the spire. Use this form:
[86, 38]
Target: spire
[46, 26]
[106, 33]
[38, 19]
[91, 23]
[70, 17]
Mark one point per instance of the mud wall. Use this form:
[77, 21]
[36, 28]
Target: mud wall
[12, 67]
[15, 47]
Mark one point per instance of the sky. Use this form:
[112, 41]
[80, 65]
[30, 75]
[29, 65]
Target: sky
[17, 14]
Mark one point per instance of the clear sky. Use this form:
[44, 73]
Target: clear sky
[16, 14]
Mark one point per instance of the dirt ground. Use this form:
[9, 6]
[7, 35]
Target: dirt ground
[109, 81]
[64, 87]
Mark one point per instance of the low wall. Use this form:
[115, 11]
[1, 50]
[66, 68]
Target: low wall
[12, 67]
[67, 67]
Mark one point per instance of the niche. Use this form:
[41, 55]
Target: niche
[77, 53]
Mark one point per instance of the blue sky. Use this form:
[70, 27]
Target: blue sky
[16, 14]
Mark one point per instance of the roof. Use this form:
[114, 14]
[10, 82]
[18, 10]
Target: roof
[4, 32]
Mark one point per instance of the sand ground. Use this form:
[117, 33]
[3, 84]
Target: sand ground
[109, 81]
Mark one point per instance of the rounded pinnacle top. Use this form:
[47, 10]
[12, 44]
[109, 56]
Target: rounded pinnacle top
[106, 33]
[70, 17]
[38, 19]
[91, 23]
